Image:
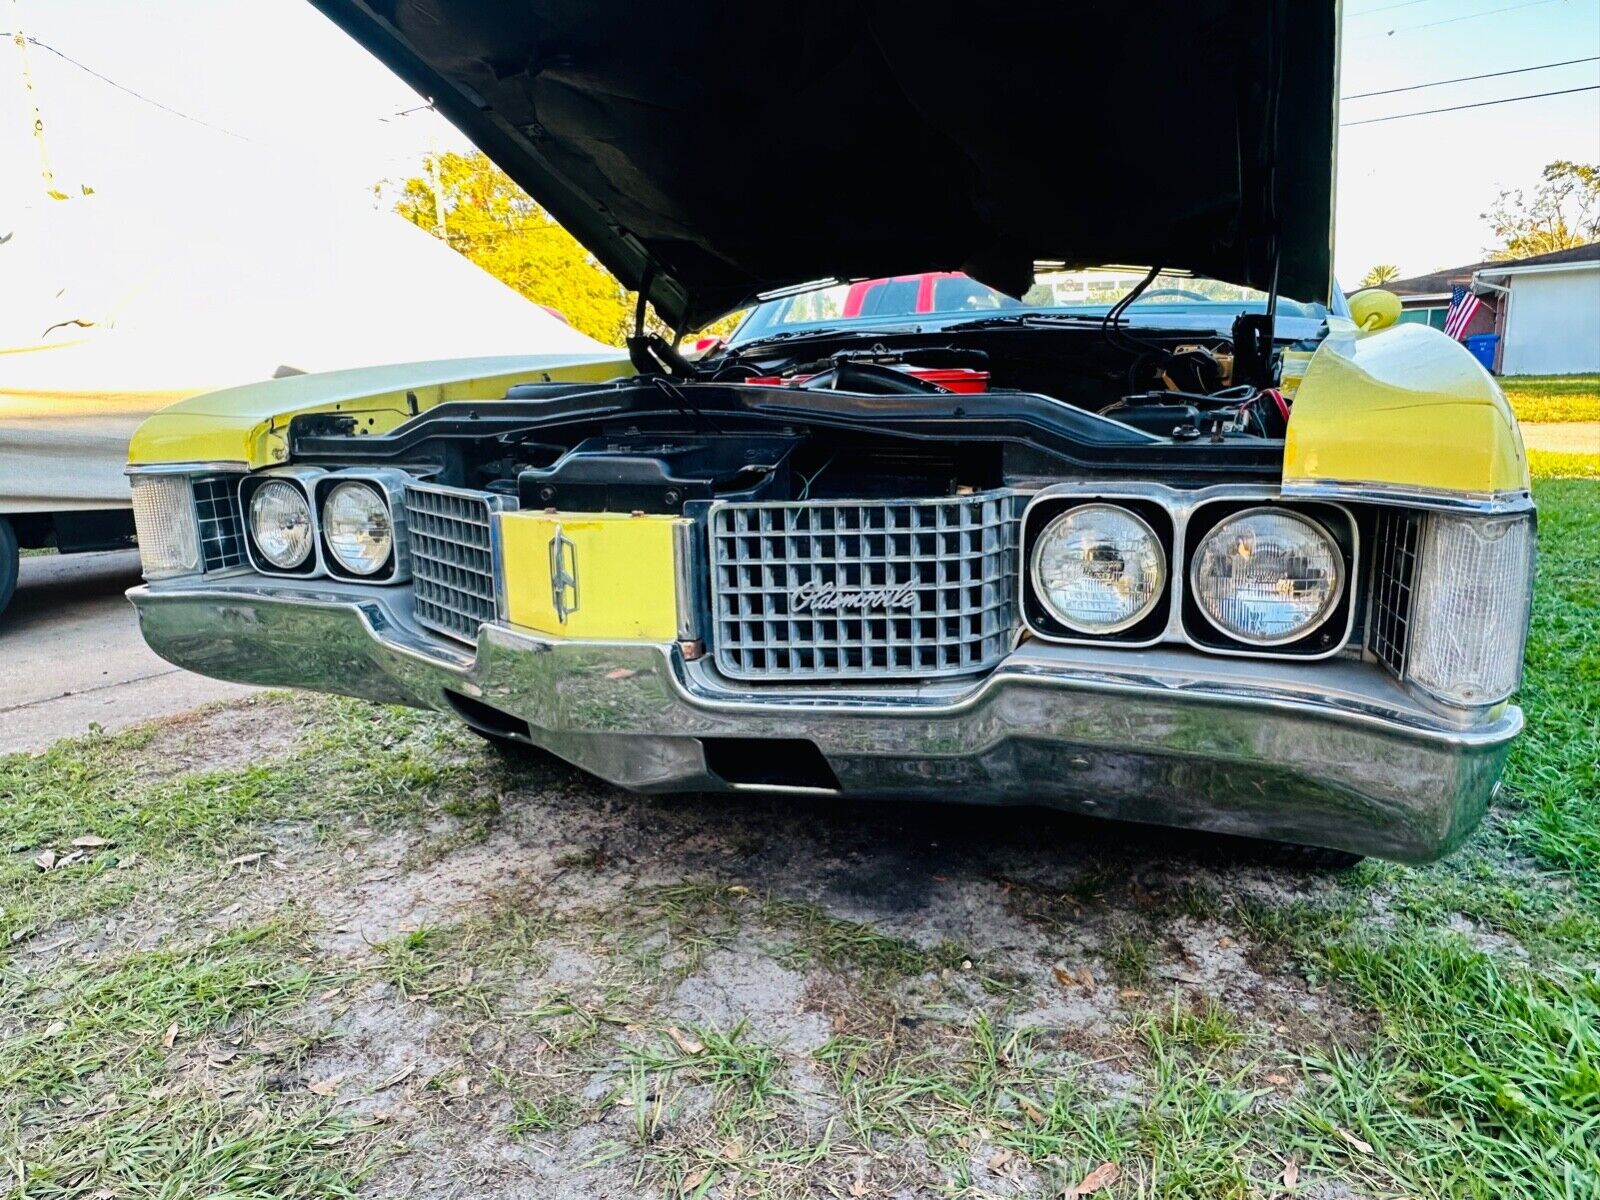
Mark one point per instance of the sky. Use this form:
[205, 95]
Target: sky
[274, 97]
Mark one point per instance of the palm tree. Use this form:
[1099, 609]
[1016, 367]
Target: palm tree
[1380, 275]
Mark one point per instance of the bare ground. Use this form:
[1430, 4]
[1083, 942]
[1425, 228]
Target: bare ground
[560, 990]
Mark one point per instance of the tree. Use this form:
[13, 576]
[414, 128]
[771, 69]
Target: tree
[492, 221]
[1563, 211]
[1380, 275]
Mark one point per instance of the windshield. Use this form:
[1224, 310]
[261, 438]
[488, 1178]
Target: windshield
[942, 297]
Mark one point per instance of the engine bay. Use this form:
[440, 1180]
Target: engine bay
[892, 413]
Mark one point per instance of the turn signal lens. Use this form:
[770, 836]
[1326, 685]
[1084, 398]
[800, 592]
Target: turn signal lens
[163, 516]
[356, 522]
[1469, 619]
[1098, 568]
[1267, 576]
[280, 524]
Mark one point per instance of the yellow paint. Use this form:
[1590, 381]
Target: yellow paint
[250, 424]
[625, 567]
[1406, 407]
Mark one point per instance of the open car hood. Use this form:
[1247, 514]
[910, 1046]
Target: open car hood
[709, 153]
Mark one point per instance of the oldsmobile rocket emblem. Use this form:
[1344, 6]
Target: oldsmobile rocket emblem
[563, 575]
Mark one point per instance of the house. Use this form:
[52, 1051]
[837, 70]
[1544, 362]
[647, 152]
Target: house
[1545, 308]
[1548, 311]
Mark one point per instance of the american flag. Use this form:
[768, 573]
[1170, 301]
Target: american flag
[1463, 307]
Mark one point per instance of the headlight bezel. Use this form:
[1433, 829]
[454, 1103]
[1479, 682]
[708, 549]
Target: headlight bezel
[304, 480]
[389, 484]
[1041, 619]
[1323, 639]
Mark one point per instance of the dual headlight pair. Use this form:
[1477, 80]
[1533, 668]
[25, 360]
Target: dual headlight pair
[1263, 576]
[357, 525]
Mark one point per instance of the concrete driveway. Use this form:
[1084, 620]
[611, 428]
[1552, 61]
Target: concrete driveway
[71, 655]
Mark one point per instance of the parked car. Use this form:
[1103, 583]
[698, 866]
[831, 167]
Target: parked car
[1190, 544]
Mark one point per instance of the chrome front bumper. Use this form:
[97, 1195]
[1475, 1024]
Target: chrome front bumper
[1337, 755]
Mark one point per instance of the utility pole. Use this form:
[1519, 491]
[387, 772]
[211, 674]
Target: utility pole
[438, 192]
[21, 42]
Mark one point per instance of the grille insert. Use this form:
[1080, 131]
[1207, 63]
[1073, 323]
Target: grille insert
[864, 589]
[452, 557]
[216, 510]
[1394, 571]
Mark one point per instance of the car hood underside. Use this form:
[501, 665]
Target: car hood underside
[708, 153]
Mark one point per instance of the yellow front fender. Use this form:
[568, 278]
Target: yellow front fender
[249, 425]
[1404, 410]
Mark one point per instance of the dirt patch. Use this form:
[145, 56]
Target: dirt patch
[223, 737]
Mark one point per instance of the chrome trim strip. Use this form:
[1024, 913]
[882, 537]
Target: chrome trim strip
[684, 576]
[1487, 503]
[220, 467]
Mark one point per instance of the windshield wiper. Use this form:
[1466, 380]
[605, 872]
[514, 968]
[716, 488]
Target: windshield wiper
[1026, 318]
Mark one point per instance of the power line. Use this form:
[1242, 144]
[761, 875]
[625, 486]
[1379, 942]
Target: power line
[1368, 12]
[1428, 112]
[106, 79]
[1488, 12]
[1468, 78]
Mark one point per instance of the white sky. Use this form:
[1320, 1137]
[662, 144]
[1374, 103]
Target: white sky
[307, 106]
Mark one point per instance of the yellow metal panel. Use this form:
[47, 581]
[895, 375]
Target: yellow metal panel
[1404, 406]
[250, 424]
[624, 570]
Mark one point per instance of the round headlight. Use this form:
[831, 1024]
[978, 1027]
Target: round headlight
[356, 522]
[280, 524]
[1098, 568]
[1267, 576]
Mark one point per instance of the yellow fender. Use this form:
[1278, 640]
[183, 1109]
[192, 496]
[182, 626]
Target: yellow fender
[1405, 411]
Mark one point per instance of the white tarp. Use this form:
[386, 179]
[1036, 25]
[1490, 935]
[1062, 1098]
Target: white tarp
[110, 311]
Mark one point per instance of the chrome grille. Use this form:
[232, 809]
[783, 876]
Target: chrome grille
[931, 582]
[452, 557]
[216, 511]
[1394, 569]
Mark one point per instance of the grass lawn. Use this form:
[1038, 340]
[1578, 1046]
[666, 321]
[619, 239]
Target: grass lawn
[1539, 399]
[246, 980]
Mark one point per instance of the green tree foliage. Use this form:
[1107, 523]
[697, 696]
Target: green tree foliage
[1380, 275]
[493, 222]
[1562, 211]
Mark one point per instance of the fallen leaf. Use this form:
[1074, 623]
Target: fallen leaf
[1102, 1176]
[1277, 1080]
[461, 1085]
[684, 1042]
[738, 889]
[127, 860]
[57, 1028]
[1130, 994]
[1224, 943]
[90, 842]
[222, 1058]
[1030, 1110]
[1000, 1161]
[45, 860]
[693, 1180]
[732, 1150]
[858, 1187]
[840, 1023]
[1291, 1174]
[325, 1087]
[1063, 977]
[171, 1036]
[966, 964]
[621, 673]
[246, 860]
[1086, 978]
[1354, 1141]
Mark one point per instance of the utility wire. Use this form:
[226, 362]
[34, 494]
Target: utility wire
[1428, 112]
[167, 108]
[1488, 12]
[1469, 78]
[1367, 12]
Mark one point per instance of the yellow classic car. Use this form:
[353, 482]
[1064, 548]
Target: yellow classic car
[950, 515]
